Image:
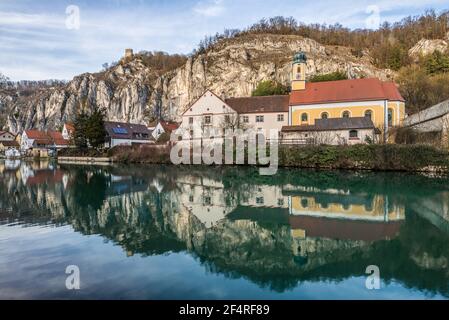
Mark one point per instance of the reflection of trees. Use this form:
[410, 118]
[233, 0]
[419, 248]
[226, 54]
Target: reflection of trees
[254, 243]
[89, 188]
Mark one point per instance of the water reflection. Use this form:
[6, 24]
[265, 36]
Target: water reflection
[277, 232]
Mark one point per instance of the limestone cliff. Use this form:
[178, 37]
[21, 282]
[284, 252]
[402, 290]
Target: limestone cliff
[131, 91]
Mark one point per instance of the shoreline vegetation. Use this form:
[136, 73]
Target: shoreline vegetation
[375, 157]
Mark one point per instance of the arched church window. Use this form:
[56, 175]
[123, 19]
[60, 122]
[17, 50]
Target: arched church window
[346, 114]
[369, 114]
[324, 115]
[390, 117]
[304, 117]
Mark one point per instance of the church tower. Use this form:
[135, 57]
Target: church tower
[298, 76]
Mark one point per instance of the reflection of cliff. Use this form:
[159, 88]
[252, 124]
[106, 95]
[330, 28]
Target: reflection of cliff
[240, 224]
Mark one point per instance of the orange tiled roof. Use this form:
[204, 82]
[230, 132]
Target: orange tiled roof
[57, 138]
[346, 91]
[36, 134]
[46, 137]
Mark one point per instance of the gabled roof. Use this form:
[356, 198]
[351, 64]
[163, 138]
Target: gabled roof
[201, 96]
[345, 91]
[169, 126]
[42, 138]
[2, 132]
[334, 124]
[36, 134]
[262, 104]
[123, 130]
[57, 138]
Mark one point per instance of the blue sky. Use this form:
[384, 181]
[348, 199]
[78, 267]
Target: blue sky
[42, 39]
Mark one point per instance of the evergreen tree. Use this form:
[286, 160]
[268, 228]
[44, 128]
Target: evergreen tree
[96, 132]
[80, 135]
[89, 129]
[437, 62]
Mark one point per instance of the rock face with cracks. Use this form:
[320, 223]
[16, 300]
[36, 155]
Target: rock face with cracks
[133, 92]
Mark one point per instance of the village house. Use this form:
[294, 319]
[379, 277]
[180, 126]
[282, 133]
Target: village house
[68, 130]
[7, 136]
[40, 143]
[160, 127]
[332, 131]
[331, 112]
[121, 133]
[211, 113]
[261, 113]
[8, 143]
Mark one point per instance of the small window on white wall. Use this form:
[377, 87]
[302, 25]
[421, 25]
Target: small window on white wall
[353, 134]
[280, 117]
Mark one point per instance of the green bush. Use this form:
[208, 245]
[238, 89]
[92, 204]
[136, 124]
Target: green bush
[383, 157]
[269, 88]
[338, 75]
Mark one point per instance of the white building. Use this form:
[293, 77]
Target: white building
[126, 134]
[333, 131]
[210, 113]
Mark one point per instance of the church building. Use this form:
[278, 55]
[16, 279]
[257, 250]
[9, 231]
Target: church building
[343, 106]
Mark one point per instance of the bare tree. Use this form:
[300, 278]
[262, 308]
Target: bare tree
[324, 137]
[233, 121]
[3, 80]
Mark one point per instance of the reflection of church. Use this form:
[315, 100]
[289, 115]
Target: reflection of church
[334, 214]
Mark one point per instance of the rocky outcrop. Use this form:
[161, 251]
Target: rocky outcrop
[425, 47]
[131, 91]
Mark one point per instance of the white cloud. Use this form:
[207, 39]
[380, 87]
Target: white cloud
[213, 8]
[16, 19]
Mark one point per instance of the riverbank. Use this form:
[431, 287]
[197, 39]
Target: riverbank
[376, 157]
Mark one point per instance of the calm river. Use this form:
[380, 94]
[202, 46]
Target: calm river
[165, 232]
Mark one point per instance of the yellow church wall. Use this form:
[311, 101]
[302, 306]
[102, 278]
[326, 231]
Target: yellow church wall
[352, 210]
[399, 112]
[314, 113]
